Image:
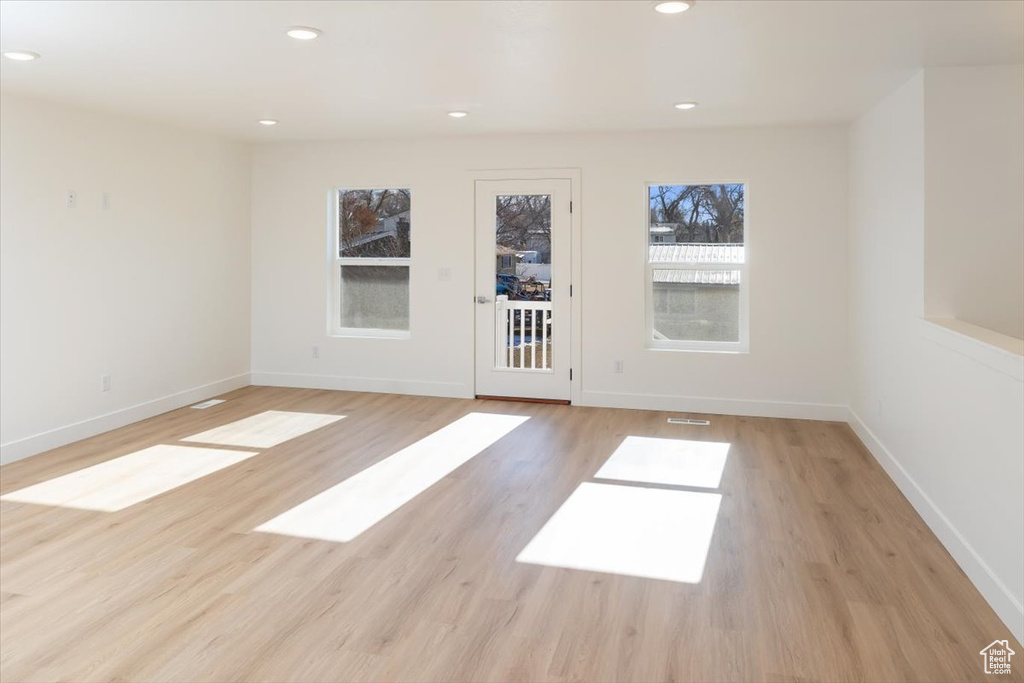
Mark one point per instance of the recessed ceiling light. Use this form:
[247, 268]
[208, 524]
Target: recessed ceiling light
[268, 122]
[458, 114]
[21, 56]
[673, 6]
[685, 105]
[303, 33]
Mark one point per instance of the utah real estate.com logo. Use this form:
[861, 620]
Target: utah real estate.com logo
[997, 657]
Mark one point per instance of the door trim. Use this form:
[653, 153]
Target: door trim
[575, 178]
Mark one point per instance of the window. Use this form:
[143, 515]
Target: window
[696, 267]
[370, 274]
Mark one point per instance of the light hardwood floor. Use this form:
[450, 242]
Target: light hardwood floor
[818, 569]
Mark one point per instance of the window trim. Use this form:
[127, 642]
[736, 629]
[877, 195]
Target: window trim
[742, 345]
[335, 262]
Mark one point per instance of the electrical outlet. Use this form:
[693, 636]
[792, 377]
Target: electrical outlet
[105, 201]
[618, 367]
[444, 274]
[316, 352]
[72, 199]
[105, 383]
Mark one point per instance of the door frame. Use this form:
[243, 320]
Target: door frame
[575, 178]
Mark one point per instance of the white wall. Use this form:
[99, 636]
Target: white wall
[945, 426]
[974, 172]
[797, 235]
[153, 290]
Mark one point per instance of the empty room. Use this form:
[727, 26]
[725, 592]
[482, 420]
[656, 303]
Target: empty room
[511, 340]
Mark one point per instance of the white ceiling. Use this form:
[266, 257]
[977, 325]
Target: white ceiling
[394, 68]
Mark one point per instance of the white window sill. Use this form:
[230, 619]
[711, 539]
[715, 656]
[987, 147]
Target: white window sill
[1000, 352]
[367, 333]
[683, 347]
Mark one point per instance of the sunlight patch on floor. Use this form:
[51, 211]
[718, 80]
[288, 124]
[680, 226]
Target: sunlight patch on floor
[264, 430]
[643, 532]
[119, 483]
[348, 509]
[675, 462]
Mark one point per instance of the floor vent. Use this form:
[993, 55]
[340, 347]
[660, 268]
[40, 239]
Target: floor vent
[687, 421]
[206, 404]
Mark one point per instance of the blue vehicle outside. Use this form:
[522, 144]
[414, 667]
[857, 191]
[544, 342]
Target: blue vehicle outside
[508, 285]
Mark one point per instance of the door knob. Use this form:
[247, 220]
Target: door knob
[483, 299]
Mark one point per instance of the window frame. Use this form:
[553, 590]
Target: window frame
[742, 345]
[335, 262]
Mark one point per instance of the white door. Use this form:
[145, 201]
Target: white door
[523, 309]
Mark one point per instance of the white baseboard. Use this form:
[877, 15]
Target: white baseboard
[370, 384]
[54, 438]
[715, 406]
[995, 592]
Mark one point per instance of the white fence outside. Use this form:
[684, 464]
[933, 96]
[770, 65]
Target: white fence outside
[530, 320]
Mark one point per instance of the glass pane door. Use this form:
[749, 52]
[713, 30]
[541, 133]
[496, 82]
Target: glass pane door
[523, 301]
[523, 283]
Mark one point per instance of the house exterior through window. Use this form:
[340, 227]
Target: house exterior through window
[696, 268]
[372, 257]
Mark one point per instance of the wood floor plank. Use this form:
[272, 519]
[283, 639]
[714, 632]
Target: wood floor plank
[818, 569]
